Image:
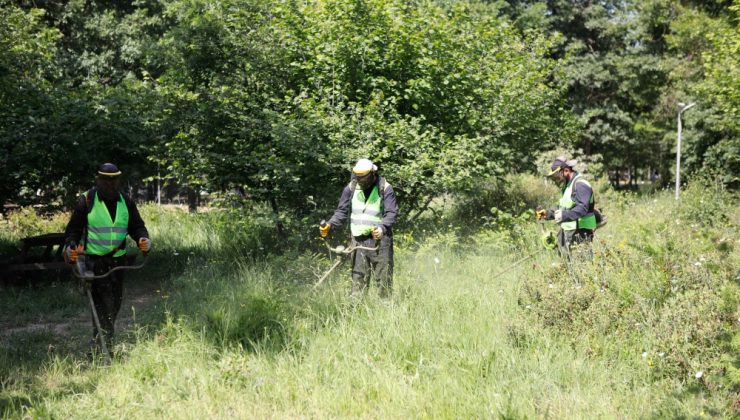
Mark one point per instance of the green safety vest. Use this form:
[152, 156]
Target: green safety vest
[566, 202]
[103, 234]
[365, 213]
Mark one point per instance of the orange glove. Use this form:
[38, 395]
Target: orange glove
[324, 230]
[145, 244]
[70, 255]
[544, 214]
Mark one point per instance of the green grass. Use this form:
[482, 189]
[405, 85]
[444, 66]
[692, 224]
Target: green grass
[231, 334]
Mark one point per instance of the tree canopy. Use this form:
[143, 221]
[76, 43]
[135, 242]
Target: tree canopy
[277, 98]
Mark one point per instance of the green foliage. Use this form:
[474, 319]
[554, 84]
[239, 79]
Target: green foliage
[703, 202]
[27, 222]
[226, 333]
[278, 98]
[627, 66]
[676, 316]
[290, 106]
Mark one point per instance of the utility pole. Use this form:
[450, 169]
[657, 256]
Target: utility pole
[159, 189]
[678, 146]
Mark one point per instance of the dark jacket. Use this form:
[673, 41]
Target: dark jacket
[581, 195]
[78, 221]
[390, 206]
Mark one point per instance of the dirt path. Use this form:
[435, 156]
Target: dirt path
[139, 295]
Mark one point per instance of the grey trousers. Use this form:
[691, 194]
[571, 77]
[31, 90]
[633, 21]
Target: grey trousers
[575, 243]
[375, 265]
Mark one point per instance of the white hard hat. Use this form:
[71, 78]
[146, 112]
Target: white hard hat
[364, 166]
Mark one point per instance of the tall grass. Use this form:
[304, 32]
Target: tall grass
[238, 335]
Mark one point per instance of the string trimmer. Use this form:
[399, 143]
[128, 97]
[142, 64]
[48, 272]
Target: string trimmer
[341, 252]
[82, 272]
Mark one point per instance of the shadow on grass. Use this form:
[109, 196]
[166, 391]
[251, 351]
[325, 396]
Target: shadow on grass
[24, 356]
[11, 406]
[47, 317]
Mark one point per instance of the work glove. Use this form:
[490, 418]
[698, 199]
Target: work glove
[558, 216]
[145, 244]
[544, 214]
[324, 229]
[540, 213]
[377, 232]
[72, 251]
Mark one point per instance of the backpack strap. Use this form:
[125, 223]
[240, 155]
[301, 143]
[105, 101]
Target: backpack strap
[591, 206]
[89, 197]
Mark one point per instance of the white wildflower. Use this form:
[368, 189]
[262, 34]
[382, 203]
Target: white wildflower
[644, 355]
[699, 374]
[436, 260]
[661, 354]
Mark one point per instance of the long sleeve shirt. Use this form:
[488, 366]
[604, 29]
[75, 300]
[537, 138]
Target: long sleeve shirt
[78, 221]
[581, 195]
[390, 207]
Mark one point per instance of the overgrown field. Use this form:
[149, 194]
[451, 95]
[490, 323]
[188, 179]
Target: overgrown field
[224, 321]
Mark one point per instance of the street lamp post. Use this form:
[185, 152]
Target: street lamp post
[678, 146]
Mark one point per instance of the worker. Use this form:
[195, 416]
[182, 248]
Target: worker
[575, 211]
[100, 222]
[370, 202]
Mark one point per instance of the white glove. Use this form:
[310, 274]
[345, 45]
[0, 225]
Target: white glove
[377, 232]
[558, 216]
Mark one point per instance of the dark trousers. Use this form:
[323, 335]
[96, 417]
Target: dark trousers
[107, 294]
[376, 265]
[575, 243]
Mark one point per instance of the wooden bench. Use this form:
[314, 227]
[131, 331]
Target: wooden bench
[50, 258]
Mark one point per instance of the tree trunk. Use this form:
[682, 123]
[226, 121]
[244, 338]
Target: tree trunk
[276, 210]
[617, 175]
[192, 200]
[421, 210]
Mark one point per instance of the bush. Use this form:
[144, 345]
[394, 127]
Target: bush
[27, 222]
[661, 280]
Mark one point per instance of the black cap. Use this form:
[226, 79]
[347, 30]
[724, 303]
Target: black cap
[108, 169]
[561, 162]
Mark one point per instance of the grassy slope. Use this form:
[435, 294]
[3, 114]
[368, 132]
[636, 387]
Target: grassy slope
[253, 340]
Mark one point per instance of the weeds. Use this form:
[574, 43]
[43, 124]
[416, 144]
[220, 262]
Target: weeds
[650, 322]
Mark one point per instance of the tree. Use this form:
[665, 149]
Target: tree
[280, 98]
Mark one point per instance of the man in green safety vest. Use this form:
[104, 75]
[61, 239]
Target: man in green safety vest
[100, 222]
[575, 211]
[371, 205]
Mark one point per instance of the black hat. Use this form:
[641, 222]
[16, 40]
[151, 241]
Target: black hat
[561, 162]
[108, 169]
